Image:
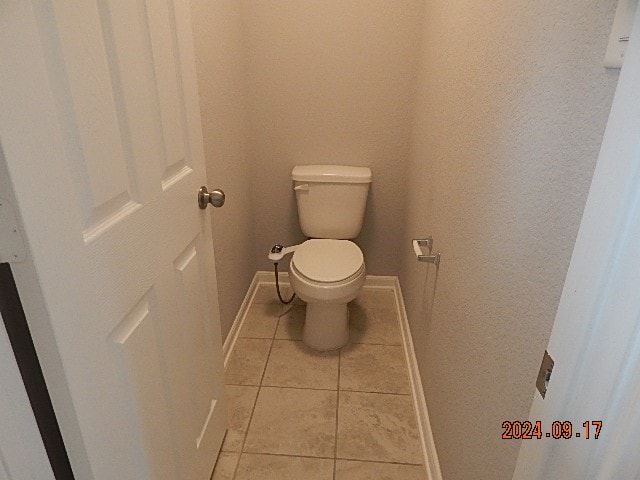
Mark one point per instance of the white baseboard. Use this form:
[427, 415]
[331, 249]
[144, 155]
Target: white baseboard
[232, 336]
[372, 281]
[419, 400]
[379, 281]
[268, 278]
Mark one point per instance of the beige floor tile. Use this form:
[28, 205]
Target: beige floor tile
[293, 364]
[374, 325]
[291, 323]
[261, 321]
[375, 426]
[267, 293]
[376, 298]
[276, 467]
[374, 368]
[293, 422]
[356, 470]
[241, 401]
[247, 361]
[225, 466]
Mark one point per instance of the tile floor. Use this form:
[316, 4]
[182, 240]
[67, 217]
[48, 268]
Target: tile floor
[300, 414]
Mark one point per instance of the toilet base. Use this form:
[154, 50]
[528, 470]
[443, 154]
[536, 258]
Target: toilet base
[326, 326]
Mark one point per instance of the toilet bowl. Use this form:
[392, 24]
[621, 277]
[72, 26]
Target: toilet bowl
[327, 271]
[327, 274]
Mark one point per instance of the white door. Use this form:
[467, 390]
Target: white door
[595, 341]
[100, 126]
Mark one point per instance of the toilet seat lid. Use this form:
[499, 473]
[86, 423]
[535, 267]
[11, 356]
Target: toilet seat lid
[327, 260]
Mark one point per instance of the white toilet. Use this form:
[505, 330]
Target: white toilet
[328, 271]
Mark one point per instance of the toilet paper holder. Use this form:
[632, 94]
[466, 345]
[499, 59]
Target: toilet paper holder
[428, 243]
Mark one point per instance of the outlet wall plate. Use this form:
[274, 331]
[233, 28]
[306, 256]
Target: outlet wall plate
[620, 33]
[544, 375]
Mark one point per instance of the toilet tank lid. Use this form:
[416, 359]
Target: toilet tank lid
[331, 174]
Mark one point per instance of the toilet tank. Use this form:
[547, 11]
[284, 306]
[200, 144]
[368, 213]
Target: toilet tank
[331, 199]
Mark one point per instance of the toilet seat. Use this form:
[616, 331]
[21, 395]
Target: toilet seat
[328, 261]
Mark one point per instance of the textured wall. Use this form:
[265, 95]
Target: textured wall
[217, 29]
[511, 108]
[330, 82]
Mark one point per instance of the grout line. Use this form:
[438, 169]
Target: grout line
[301, 388]
[256, 338]
[376, 393]
[241, 384]
[213, 472]
[287, 308]
[382, 344]
[289, 455]
[255, 403]
[299, 341]
[399, 345]
[321, 389]
[244, 437]
[380, 461]
[266, 364]
[331, 390]
[350, 343]
[273, 337]
[329, 458]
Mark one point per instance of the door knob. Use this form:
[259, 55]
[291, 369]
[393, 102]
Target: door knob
[215, 197]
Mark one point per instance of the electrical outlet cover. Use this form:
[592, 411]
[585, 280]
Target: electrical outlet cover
[620, 33]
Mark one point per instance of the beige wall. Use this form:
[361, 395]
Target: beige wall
[330, 82]
[285, 83]
[511, 107]
[217, 29]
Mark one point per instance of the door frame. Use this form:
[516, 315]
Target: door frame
[584, 380]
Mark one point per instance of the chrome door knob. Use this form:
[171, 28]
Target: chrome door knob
[215, 198]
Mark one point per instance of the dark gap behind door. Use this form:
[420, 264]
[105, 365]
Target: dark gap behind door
[22, 344]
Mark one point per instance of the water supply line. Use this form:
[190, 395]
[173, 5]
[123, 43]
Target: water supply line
[276, 253]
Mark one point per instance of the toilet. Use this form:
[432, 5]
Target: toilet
[328, 270]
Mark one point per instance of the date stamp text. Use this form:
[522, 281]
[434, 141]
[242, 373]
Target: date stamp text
[527, 430]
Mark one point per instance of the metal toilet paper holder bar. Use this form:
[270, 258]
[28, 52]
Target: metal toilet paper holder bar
[428, 243]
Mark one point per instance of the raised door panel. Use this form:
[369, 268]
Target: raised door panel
[130, 139]
[197, 400]
[98, 155]
[166, 54]
[143, 384]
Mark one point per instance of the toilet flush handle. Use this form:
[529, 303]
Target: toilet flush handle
[302, 188]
